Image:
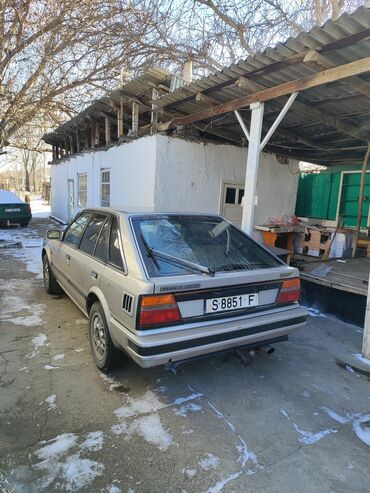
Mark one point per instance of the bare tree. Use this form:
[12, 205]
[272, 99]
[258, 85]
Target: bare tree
[56, 55]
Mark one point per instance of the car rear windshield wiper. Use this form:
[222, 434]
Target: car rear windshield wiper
[177, 260]
[150, 252]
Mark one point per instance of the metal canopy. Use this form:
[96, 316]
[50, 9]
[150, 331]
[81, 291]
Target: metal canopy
[327, 124]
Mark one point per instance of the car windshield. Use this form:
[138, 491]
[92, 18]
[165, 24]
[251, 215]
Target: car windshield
[183, 244]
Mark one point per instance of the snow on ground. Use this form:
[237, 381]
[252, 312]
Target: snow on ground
[187, 408]
[94, 441]
[38, 341]
[50, 401]
[151, 429]
[16, 304]
[362, 359]
[113, 488]
[360, 423]
[58, 357]
[39, 207]
[209, 462]
[307, 437]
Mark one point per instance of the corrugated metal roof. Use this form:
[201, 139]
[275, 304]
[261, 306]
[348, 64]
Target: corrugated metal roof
[302, 134]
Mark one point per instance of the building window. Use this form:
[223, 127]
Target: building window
[105, 187]
[82, 190]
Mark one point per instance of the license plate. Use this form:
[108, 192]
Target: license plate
[227, 303]
[12, 210]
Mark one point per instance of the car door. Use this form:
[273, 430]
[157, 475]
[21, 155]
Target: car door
[115, 283]
[90, 256]
[63, 259]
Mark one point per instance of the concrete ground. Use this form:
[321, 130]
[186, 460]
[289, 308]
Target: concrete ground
[294, 421]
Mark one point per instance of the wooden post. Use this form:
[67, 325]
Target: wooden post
[254, 152]
[154, 115]
[97, 135]
[107, 131]
[120, 120]
[135, 119]
[66, 147]
[92, 136]
[77, 141]
[71, 145]
[366, 339]
[361, 200]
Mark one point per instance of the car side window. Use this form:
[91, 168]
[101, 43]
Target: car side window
[91, 234]
[73, 234]
[115, 256]
[101, 246]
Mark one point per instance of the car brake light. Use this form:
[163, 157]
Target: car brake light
[290, 291]
[158, 310]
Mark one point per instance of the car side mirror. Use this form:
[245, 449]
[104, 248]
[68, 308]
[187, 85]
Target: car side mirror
[53, 234]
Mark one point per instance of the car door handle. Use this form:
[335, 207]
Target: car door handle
[68, 258]
[94, 274]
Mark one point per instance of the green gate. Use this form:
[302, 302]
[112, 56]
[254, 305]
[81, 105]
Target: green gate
[348, 207]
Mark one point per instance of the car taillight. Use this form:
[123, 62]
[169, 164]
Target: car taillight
[290, 291]
[158, 310]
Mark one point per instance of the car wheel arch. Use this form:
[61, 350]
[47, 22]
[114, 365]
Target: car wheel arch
[96, 295]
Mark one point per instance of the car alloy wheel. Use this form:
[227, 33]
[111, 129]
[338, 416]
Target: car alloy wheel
[98, 336]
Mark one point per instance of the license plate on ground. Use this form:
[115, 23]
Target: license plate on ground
[12, 210]
[227, 303]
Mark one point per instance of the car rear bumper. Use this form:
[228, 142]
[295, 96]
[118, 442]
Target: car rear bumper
[9, 219]
[192, 340]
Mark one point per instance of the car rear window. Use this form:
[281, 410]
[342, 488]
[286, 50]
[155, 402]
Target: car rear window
[209, 242]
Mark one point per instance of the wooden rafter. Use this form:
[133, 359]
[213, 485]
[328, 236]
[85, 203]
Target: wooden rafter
[326, 76]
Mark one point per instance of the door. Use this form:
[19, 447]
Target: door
[231, 207]
[71, 199]
[64, 260]
[348, 205]
[90, 256]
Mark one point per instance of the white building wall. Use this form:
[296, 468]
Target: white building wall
[190, 176]
[132, 177]
[175, 174]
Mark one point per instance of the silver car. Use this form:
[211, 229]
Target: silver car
[164, 287]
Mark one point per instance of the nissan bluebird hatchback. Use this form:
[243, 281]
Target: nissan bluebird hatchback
[167, 287]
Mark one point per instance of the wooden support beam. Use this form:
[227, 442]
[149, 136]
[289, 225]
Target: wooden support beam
[107, 131]
[361, 200]
[135, 119]
[78, 148]
[154, 113]
[203, 98]
[320, 62]
[120, 119]
[97, 134]
[92, 136]
[326, 76]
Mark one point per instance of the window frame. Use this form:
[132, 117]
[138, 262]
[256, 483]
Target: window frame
[92, 255]
[102, 171]
[79, 176]
[85, 211]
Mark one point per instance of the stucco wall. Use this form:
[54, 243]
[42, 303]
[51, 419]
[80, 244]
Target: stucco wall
[189, 177]
[176, 174]
[132, 176]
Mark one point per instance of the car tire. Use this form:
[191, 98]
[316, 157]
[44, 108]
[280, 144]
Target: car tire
[106, 355]
[50, 283]
[24, 225]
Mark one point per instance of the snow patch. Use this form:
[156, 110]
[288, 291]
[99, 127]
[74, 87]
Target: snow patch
[94, 441]
[361, 426]
[151, 429]
[50, 367]
[186, 408]
[307, 437]
[190, 473]
[114, 489]
[72, 472]
[361, 358]
[58, 357]
[147, 404]
[79, 349]
[313, 312]
[337, 417]
[50, 401]
[209, 462]
[38, 341]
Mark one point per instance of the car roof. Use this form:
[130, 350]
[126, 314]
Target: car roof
[137, 211]
[8, 197]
